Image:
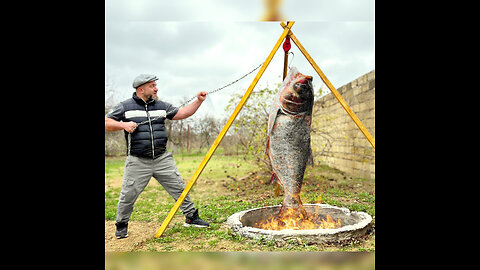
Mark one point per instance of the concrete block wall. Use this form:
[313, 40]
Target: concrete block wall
[336, 139]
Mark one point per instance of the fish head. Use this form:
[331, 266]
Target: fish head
[297, 96]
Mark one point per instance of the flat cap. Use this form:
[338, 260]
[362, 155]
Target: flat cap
[142, 79]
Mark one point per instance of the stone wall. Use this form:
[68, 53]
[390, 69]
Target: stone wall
[336, 140]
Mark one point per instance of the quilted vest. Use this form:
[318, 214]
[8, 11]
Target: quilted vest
[148, 140]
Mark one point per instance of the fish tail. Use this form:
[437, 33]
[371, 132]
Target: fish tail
[298, 212]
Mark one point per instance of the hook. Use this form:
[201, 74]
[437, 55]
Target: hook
[291, 59]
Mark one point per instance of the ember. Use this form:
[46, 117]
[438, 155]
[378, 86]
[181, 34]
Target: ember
[291, 220]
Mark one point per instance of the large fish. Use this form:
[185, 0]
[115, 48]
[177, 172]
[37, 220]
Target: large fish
[288, 138]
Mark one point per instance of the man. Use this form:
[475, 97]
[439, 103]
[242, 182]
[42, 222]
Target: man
[146, 149]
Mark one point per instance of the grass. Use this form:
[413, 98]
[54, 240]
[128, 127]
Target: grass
[220, 192]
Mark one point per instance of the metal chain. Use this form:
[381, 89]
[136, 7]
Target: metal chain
[188, 101]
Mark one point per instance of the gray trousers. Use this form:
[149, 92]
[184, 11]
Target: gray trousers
[137, 174]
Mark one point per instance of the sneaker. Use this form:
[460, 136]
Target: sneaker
[194, 220]
[122, 230]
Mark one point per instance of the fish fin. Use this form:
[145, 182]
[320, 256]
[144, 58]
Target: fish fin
[310, 158]
[276, 182]
[277, 189]
[267, 146]
[274, 178]
[271, 120]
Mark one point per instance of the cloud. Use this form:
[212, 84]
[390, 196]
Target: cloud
[207, 53]
[245, 10]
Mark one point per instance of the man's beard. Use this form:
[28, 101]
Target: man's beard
[153, 96]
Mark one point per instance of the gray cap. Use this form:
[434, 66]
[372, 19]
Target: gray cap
[142, 79]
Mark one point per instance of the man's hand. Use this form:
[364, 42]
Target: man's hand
[113, 125]
[202, 95]
[129, 126]
[191, 108]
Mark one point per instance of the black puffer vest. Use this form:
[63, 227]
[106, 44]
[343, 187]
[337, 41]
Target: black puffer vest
[149, 140]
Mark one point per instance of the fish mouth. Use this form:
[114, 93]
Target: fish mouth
[290, 101]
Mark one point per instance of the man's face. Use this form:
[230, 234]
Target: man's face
[149, 90]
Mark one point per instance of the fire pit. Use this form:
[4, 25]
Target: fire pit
[346, 224]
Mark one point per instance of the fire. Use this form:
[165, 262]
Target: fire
[292, 220]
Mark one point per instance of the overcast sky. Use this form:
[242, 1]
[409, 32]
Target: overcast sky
[202, 45]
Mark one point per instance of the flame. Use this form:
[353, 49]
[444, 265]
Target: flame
[290, 219]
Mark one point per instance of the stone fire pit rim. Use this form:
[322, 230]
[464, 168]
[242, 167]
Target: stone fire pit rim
[234, 222]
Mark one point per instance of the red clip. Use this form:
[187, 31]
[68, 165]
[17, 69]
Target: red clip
[286, 44]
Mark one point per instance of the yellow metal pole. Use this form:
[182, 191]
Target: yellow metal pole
[332, 88]
[220, 136]
[285, 64]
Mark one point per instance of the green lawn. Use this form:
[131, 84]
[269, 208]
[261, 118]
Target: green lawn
[222, 190]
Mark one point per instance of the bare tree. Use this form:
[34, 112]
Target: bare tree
[206, 128]
[177, 131]
[109, 94]
[114, 141]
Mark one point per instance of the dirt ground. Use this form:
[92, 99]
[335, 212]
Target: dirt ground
[138, 233]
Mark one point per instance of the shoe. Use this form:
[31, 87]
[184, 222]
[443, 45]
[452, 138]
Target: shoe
[194, 220]
[122, 230]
